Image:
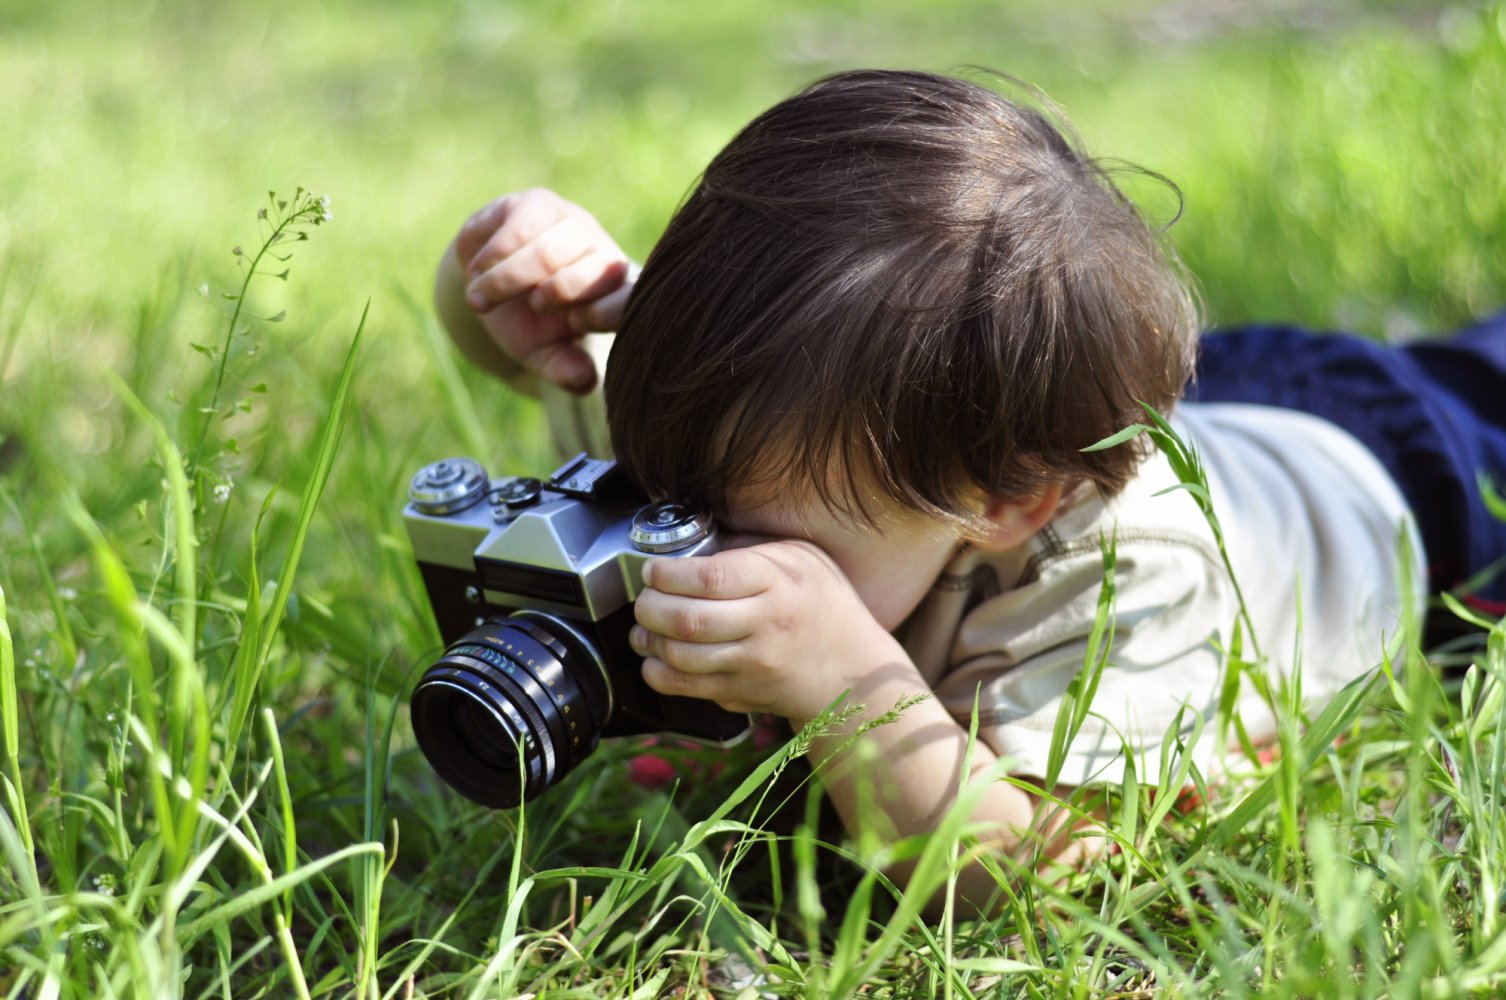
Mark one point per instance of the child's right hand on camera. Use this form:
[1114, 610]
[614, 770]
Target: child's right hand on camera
[524, 280]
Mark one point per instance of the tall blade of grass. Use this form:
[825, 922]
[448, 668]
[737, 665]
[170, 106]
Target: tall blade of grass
[1078, 697]
[1494, 502]
[272, 891]
[67, 643]
[1490, 834]
[600, 916]
[1235, 666]
[621, 896]
[10, 739]
[949, 905]
[807, 887]
[329, 440]
[929, 874]
[1171, 781]
[508, 940]
[755, 780]
[285, 802]
[188, 709]
[376, 763]
[724, 903]
[1336, 716]
[431, 943]
[125, 605]
[1192, 477]
[852, 934]
[192, 712]
[43, 922]
[185, 543]
[243, 665]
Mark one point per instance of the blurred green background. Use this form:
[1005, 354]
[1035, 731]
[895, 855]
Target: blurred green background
[1341, 162]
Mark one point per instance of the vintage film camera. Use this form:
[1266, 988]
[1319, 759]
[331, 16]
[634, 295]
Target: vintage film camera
[533, 587]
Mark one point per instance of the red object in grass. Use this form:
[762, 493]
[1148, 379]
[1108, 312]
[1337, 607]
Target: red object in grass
[649, 770]
[652, 771]
[1487, 607]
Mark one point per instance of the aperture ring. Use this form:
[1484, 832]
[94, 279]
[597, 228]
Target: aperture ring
[563, 692]
[526, 694]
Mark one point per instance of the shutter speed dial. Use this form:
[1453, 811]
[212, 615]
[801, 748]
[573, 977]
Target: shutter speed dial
[447, 486]
[667, 526]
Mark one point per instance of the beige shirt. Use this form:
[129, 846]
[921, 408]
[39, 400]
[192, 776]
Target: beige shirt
[1313, 526]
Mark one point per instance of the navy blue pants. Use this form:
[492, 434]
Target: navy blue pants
[1433, 412]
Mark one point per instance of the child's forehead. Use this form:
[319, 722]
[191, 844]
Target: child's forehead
[790, 504]
[765, 508]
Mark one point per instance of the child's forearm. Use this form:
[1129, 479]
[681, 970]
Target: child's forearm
[901, 778]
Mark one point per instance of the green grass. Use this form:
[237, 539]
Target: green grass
[211, 618]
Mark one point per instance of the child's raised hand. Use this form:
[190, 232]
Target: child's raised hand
[774, 627]
[540, 272]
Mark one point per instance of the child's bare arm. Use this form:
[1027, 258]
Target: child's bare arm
[911, 770]
[523, 280]
[778, 628]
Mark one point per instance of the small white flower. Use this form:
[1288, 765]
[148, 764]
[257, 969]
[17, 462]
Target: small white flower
[105, 884]
[222, 491]
[67, 593]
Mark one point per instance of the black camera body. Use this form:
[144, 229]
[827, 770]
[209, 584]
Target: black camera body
[532, 584]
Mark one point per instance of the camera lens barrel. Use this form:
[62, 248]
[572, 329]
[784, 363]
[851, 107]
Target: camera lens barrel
[511, 708]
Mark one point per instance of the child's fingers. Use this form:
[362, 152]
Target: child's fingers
[507, 224]
[725, 575]
[476, 230]
[688, 657]
[694, 619]
[590, 277]
[540, 259]
[679, 683]
[603, 314]
[530, 212]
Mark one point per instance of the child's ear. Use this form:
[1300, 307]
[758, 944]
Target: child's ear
[1010, 522]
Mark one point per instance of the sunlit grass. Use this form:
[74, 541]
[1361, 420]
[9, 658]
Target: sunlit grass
[211, 618]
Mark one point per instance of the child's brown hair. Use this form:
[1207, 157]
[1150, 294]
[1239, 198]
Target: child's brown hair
[901, 279]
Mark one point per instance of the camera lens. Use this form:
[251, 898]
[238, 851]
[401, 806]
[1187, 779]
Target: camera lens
[478, 737]
[511, 708]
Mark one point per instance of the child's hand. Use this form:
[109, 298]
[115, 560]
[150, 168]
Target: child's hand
[540, 271]
[774, 628]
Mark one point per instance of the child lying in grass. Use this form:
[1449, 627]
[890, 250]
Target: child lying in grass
[875, 341]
